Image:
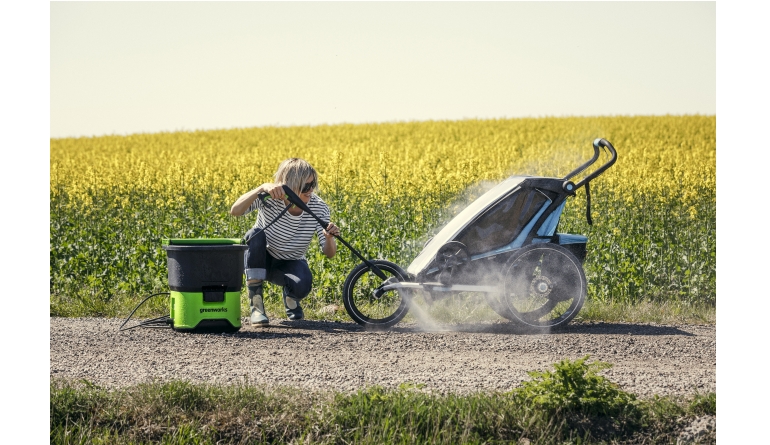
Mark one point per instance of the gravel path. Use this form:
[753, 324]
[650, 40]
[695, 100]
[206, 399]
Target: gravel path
[648, 359]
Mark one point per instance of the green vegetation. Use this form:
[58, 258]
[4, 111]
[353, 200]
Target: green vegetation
[113, 198]
[665, 312]
[572, 403]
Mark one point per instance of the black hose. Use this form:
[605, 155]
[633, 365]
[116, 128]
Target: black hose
[147, 321]
[286, 209]
[160, 322]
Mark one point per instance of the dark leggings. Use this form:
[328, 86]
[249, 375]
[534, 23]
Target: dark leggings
[293, 275]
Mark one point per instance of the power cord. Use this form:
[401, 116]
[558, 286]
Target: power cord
[160, 322]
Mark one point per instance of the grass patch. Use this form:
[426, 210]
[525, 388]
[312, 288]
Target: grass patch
[664, 312]
[572, 403]
[463, 308]
[176, 412]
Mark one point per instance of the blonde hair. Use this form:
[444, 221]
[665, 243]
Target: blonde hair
[295, 172]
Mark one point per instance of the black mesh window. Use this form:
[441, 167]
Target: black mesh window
[501, 224]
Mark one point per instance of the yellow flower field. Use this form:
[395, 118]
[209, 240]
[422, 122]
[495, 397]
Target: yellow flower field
[389, 185]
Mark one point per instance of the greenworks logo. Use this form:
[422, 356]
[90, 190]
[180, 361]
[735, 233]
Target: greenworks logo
[219, 309]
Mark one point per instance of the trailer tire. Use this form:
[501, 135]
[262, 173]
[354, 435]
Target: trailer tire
[545, 286]
[367, 309]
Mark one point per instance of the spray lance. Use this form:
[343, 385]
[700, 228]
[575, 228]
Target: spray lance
[294, 199]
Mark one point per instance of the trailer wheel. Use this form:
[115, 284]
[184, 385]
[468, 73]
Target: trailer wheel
[449, 258]
[366, 304]
[495, 302]
[545, 286]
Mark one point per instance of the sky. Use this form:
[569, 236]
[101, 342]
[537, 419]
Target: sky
[145, 67]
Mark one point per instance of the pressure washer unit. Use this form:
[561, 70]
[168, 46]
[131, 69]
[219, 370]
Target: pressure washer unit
[205, 277]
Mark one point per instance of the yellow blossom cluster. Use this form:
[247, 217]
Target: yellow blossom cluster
[408, 160]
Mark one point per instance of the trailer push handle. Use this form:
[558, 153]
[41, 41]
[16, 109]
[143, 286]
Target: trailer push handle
[294, 199]
[599, 143]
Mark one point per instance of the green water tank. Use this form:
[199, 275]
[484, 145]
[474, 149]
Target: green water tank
[205, 278]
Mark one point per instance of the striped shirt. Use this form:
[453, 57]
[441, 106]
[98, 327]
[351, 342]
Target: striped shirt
[290, 236]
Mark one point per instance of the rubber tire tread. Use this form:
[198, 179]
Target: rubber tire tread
[355, 314]
[576, 305]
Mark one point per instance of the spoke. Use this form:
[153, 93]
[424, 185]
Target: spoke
[371, 306]
[539, 313]
[559, 297]
[525, 292]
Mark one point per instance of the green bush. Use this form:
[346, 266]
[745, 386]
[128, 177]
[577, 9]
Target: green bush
[576, 387]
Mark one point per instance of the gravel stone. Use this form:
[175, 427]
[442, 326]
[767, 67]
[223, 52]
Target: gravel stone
[648, 358]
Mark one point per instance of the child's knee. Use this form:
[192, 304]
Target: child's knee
[301, 291]
[298, 288]
[255, 274]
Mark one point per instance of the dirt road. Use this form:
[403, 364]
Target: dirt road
[647, 359]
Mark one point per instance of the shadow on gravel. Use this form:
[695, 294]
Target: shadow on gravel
[577, 328]
[267, 333]
[245, 332]
[623, 329]
[305, 325]
[280, 329]
[500, 328]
